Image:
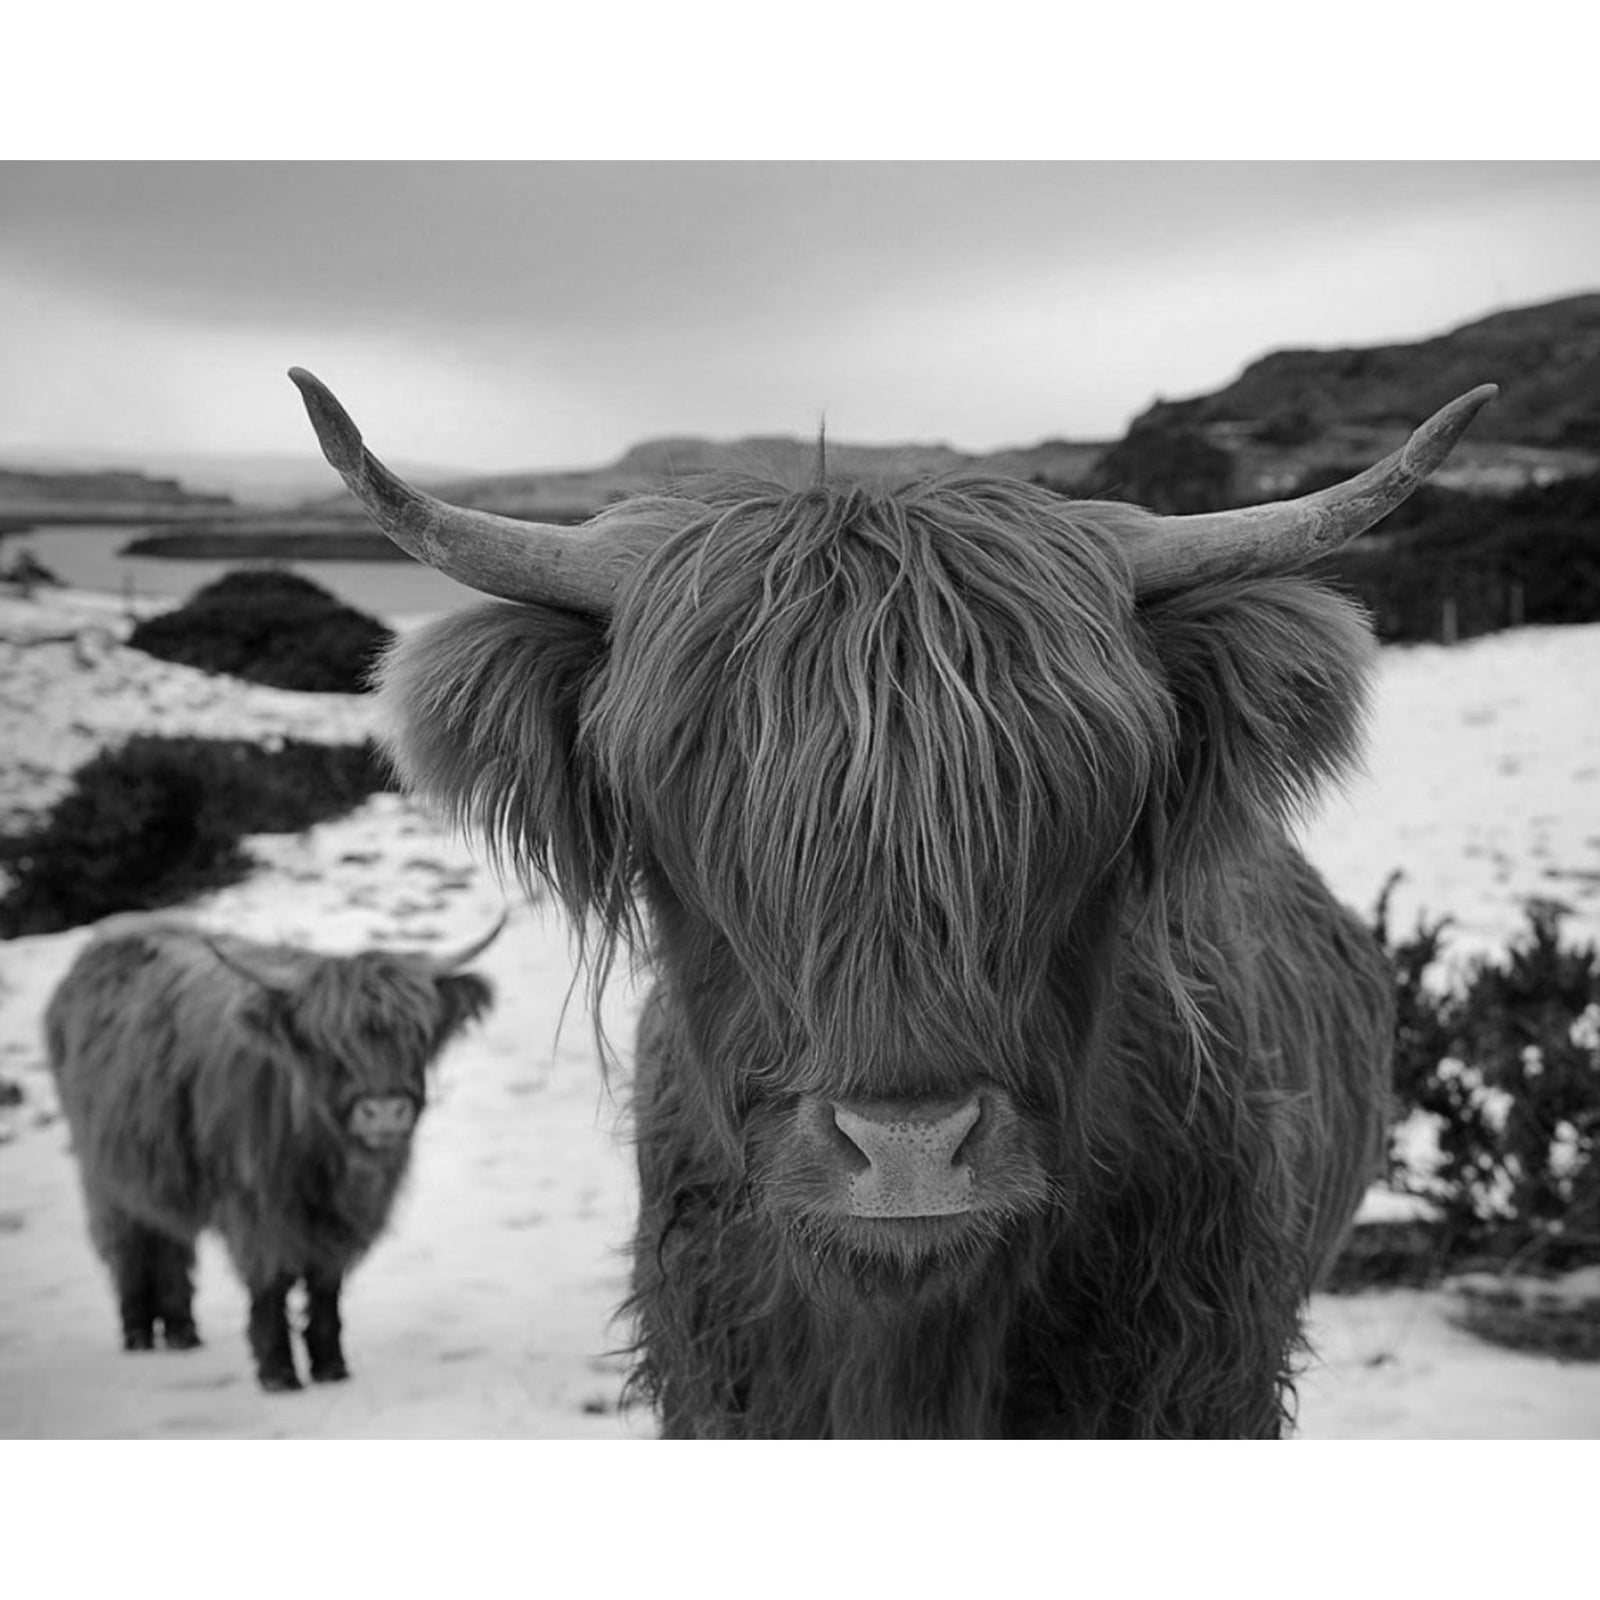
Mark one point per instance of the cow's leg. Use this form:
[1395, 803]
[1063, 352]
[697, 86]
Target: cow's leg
[173, 1288]
[128, 1248]
[323, 1326]
[269, 1334]
[136, 1304]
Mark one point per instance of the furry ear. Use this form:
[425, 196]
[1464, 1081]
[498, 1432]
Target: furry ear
[481, 712]
[1269, 679]
[463, 998]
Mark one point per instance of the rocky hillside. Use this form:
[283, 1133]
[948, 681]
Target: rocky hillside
[1546, 360]
[1298, 410]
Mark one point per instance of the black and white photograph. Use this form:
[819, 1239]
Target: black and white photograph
[799, 799]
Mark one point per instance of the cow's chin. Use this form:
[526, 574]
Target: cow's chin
[383, 1146]
[891, 1262]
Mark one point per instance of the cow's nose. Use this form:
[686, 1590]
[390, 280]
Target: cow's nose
[913, 1150]
[384, 1118]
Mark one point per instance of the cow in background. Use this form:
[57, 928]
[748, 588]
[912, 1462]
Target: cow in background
[267, 1091]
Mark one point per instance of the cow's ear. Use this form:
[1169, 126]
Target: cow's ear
[463, 998]
[481, 715]
[1270, 681]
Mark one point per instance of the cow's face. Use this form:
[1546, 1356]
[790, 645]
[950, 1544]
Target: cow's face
[885, 766]
[368, 1027]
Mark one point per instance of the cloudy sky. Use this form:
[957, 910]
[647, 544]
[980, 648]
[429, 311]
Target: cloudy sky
[509, 315]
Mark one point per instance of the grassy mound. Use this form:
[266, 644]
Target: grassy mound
[158, 820]
[268, 626]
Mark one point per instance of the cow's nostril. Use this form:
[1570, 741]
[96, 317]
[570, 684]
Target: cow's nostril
[912, 1150]
[931, 1133]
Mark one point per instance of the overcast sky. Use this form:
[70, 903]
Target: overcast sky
[498, 316]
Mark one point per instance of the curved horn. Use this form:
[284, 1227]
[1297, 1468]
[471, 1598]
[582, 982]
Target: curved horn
[273, 983]
[1174, 552]
[474, 950]
[501, 556]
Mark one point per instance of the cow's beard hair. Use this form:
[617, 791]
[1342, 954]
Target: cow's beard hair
[906, 1355]
[827, 1341]
[740, 1334]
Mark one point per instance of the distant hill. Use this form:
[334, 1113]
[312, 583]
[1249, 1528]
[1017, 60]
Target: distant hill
[1298, 410]
[261, 479]
[1545, 358]
[106, 496]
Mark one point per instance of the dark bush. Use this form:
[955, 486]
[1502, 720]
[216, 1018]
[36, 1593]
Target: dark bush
[1448, 565]
[268, 626]
[1506, 1068]
[157, 820]
[1444, 565]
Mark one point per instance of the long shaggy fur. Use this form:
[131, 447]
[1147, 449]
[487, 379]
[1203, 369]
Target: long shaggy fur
[915, 794]
[199, 1095]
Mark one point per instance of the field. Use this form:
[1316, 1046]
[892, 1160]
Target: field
[487, 1313]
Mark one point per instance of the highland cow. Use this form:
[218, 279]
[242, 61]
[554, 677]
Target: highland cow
[1008, 1071]
[266, 1091]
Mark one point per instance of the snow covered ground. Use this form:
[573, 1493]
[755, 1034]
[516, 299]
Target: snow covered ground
[487, 1312]
[68, 687]
[1482, 782]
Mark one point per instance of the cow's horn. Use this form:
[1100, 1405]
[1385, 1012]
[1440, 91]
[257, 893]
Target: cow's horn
[1175, 552]
[473, 950]
[274, 983]
[502, 556]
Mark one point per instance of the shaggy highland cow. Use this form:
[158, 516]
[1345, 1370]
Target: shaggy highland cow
[1008, 1072]
[264, 1090]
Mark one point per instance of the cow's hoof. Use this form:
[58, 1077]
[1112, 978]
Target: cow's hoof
[330, 1372]
[138, 1339]
[183, 1336]
[277, 1382]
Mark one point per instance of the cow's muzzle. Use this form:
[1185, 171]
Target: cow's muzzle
[909, 1158]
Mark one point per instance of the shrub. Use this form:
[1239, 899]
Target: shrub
[1501, 1075]
[158, 820]
[1529, 557]
[268, 626]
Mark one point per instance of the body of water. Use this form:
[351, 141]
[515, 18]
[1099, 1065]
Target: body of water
[86, 557]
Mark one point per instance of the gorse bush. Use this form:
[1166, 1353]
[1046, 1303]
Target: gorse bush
[1498, 1081]
[1488, 562]
[158, 820]
[271, 627]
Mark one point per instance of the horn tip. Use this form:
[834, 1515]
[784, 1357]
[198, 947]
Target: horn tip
[1465, 407]
[1437, 437]
[338, 435]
